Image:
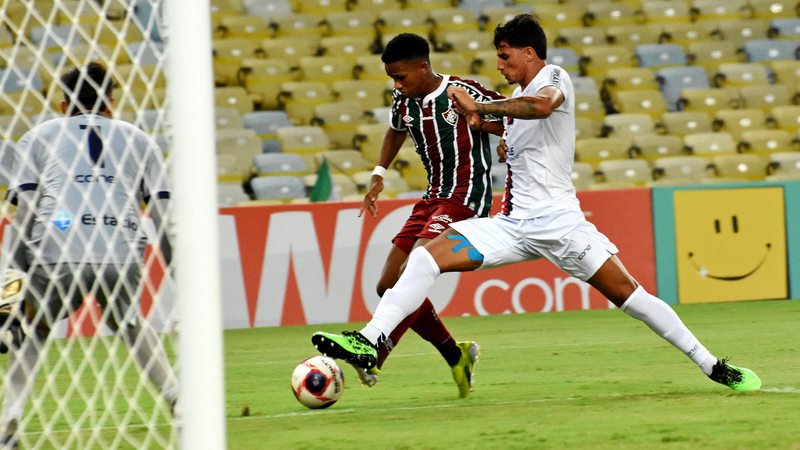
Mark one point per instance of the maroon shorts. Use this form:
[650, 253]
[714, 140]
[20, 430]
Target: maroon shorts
[430, 218]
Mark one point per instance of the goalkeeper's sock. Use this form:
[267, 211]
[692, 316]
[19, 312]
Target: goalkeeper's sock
[428, 325]
[663, 320]
[148, 351]
[23, 365]
[405, 296]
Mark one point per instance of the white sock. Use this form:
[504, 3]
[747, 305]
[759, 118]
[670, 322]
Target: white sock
[23, 365]
[405, 297]
[663, 320]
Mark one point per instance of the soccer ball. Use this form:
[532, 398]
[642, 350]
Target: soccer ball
[317, 382]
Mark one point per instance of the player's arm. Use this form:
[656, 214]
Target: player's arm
[158, 207]
[539, 106]
[477, 123]
[392, 142]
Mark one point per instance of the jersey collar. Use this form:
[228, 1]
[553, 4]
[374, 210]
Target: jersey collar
[428, 99]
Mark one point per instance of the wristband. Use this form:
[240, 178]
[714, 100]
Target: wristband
[379, 171]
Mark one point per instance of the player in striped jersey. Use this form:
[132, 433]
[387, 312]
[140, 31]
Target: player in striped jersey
[457, 159]
[79, 183]
[541, 216]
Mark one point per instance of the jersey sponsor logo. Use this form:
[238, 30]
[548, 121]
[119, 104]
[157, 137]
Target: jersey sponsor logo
[108, 179]
[408, 120]
[92, 220]
[436, 228]
[555, 78]
[62, 220]
[442, 218]
[450, 116]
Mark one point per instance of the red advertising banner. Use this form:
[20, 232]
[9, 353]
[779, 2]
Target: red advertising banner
[319, 263]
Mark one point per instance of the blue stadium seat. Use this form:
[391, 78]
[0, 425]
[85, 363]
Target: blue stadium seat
[785, 27]
[18, 80]
[284, 164]
[673, 80]
[278, 187]
[758, 50]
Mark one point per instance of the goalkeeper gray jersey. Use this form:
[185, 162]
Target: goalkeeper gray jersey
[91, 175]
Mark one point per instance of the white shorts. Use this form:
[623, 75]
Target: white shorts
[565, 238]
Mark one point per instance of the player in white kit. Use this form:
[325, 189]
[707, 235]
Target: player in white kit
[79, 183]
[540, 215]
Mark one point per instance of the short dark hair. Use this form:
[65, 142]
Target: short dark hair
[87, 88]
[405, 47]
[520, 32]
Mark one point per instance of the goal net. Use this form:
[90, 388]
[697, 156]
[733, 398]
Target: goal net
[94, 193]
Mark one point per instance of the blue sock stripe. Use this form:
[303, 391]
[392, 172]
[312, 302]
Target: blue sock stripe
[472, 252]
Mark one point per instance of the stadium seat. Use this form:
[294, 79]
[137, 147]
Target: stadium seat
[370, 67]
[146, 53]
[766, 97]
[635, 171]
[262, 79]
[248, 27]
[596, 60]
[429, 4]
[604, 14]
[231, 168]
[282, 188]
[627, 78]
[266, 8]
[233, 97]
[758, 50]
[223, 118]
[228, 57]
[582, 175]
[624, 126]
[710, 54]
[451, 63]
[13, 79]
[303, 140]
[785, 28]
[557, 14]
[265, 123]
[451, 19]
[643, 101]
[738, 31]
[771, 9]
[741, 74]
[737, 121]
[287, 164]
[343, 186]
[244, 144]
[376, 6]
[135, 99]
[786, 117]
[350, 23]
[747, 166]
[683, 33]
[673, 80]
[594, 150]
[369, 139]
[709, 100]
[587, 128]
[393, 182]
[659, 12]
[718, 9]
[786, 71]
[291, 48]
[394, 21]
[632, 35]
[152, 119]
[710, 144]
[492, 16]
[585, 85]
[84, 53]
[299, 98]
[660, 55]
[349, 47]
[139, 76]
[55, 37]
[230, 194]
[339, 120]
[764, 142]
[295, 24]
[578, 37]
[784, 163]
[326, 68]
[368, 94]
[344, 161]
[564, 57]
[653, 146]
[467, 43]
[692, 168]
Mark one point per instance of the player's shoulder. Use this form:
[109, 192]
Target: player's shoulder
[464, 82]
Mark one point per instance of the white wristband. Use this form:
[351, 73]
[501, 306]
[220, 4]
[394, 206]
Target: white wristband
[379, 171]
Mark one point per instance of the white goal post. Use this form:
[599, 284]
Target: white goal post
[93, 389]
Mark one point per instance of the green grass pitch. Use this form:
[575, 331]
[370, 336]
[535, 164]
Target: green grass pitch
[587, 379]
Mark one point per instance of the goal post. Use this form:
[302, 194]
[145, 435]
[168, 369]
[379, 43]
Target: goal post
[94, 387]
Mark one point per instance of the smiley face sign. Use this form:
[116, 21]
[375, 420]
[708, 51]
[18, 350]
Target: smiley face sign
[731, 244]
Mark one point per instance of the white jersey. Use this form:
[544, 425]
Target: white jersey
[541, 153]
[91, 174]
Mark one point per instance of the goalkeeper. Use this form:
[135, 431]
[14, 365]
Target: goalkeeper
[79, 183]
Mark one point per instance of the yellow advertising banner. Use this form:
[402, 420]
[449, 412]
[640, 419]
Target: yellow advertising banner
[731, 244]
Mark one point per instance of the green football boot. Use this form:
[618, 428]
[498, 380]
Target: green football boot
[352, 347]
[736, 378]
[464, 368]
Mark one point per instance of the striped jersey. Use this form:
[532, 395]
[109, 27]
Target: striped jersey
[541, 152]
[456, 157]
[91, 174]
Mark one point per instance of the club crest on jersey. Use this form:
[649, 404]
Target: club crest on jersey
[62, 220]
[450, 116]
[408, 120]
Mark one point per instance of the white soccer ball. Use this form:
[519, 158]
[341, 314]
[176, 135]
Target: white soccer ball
[317, 382]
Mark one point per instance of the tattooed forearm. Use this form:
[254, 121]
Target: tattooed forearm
[521, 108]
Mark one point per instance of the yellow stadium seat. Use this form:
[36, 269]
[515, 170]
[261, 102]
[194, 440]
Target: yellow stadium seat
[579, 37]
[451, 19]
[376, 6]
[369, 139]
[249, 27]
[787, 117]
[627, 78]
[228, 57]
[303, 140]
[451, 63]
[492, 16]
[766, 97]
[747, 166]
[596, 60]
[710, 54]
[223, 118]
[658, 12]
[430, 4]
[295, 24]
[594, 150]
[784, 163]
[690, 168]
[737, 121]
[681, 123]
[741, 74]
[339, 120]
[738, 31]
[557, 14]
[233, 97]
[326, 68]
[394, 21]
[346, 161]
[685, 33]
[589, 105]
[709, 100]
[764, 142]
[605, 14]
[350, 23]
[320, 7]
[349, 47]
[291, 48]
[719, 9]
[635, 171]
[786, 71]
[393, 182]
[298, 99]
[582, 175]
[653, 146]
[633, 34]
[640, 101]
[262, 79]
[368, 94]
[710, 144]
[587, 128]
[467, 43]
[624, 126]
[370, 67]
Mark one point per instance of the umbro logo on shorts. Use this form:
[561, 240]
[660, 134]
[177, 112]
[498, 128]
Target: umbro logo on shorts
[436, 228]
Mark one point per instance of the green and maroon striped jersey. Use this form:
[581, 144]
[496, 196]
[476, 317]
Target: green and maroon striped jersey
[456, 157]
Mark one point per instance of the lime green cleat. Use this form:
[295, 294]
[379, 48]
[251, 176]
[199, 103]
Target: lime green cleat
[736, 378]
[464, 368]
[352, 347]
[367, 377]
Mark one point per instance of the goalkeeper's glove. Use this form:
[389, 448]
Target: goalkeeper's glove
[11, 330]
